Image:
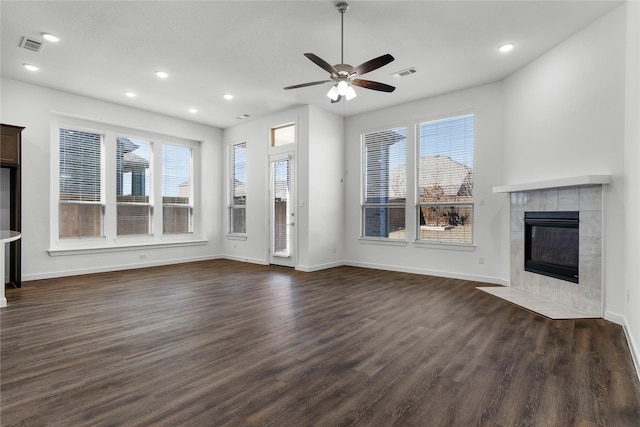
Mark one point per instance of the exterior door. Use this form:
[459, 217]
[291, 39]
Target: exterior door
[282, 211]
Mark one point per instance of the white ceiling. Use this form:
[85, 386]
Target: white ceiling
[252, 49]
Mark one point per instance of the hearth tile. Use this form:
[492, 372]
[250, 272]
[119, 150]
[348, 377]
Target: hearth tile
[545, 307]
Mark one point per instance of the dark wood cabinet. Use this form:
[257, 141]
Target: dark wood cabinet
[11, 158]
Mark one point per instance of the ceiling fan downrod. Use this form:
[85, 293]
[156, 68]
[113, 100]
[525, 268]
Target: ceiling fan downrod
[342, 8]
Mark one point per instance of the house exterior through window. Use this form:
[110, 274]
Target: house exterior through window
[444, 210]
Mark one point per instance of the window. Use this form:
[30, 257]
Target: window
[237, 190]
[445, 180]
[384, 183]
[176, 190]
[283, 135]
[117, 187]
[81, 200]
[133, 179]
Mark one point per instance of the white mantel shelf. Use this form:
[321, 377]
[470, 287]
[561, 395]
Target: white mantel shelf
[555, 183]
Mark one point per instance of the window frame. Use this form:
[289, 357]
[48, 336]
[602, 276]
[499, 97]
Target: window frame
[231, 176]
[111, 241]
[419, 205]
[363, 189]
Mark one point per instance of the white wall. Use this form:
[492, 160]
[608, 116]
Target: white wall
[325, 204]
[632, 190]
[32, 106]
[491, 211]
[564, 116]
[256, 133]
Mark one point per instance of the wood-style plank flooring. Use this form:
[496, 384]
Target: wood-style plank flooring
[223, 343]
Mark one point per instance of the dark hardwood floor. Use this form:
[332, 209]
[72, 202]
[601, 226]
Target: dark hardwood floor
[223, 343]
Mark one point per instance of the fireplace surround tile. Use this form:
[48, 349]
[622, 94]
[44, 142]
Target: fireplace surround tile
[591, 198]
[585, 296]
[569, 199]
[590, 224]
[548, 200]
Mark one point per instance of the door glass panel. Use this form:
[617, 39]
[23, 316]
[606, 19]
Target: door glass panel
[281, 184]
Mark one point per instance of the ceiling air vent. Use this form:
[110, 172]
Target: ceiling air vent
[403, 73]
[31, 44]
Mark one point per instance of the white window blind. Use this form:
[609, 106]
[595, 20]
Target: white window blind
[445, 179]
[281, 188]
[133, 180]
[238, 192]
[384, 189]
[81, 211]
[177, 210]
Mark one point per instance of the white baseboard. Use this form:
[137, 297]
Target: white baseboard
[115, 267]
[319, 267]
[472, 277]
[635, 350]
[615, 318]
[244, 259]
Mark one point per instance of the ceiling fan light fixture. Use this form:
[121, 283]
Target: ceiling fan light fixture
[342, 87]
[333, 93]
[350, 94]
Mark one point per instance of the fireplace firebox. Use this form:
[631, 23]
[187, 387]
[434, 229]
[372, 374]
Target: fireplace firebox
[551, 243]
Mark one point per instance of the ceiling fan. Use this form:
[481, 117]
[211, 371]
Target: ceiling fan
[344, 75]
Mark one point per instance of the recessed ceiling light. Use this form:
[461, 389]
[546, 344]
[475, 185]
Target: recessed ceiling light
[130, 94]
[193, 110]
[30, 67]
[506, 47]
[243, 116]
[50, 37]
[228, 96]
[162, 74]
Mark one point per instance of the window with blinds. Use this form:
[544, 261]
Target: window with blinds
[133, 180]
[177, 209]
[237, 190]
[81, 207]
[445, 180]
[384, 178]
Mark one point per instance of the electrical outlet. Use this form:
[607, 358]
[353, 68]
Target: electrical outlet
[481, 260]
[142, 256]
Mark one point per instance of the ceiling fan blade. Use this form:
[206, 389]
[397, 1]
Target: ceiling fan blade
[368, 84]
[338, 99]
[374, 64]
[307, 84]
[321, 63]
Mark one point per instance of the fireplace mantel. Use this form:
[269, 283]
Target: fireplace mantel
[555, 183]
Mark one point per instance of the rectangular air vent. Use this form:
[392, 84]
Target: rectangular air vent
[403, 73]
[31, 44]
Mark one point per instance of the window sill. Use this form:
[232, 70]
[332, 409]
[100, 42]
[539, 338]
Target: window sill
[94, 249]
[446, 246]
[384, 242]
[236, 237]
